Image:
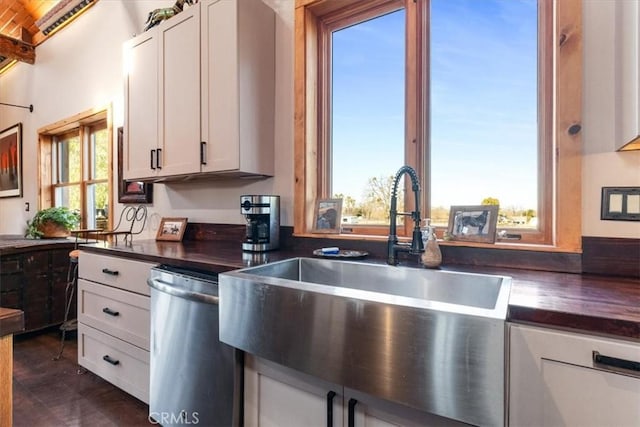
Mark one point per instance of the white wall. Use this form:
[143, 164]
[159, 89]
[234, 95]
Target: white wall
[80, 68]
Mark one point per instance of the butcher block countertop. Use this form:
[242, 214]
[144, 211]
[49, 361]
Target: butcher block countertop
[602, 305]
[14, 244]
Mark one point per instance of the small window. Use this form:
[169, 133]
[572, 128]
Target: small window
[78, 176]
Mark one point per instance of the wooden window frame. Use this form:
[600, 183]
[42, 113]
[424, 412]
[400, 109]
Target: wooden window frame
[83, 123]
[560, 119]
[327, 24]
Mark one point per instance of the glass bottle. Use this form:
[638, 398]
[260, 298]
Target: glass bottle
[432, 256]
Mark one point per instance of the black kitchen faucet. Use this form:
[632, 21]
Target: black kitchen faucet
[393, 246]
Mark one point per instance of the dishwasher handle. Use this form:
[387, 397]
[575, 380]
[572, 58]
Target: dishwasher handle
[175, 291]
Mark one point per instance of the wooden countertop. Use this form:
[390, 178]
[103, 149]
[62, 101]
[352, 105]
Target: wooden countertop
[11, 321]
[591, 303]
[14, 244]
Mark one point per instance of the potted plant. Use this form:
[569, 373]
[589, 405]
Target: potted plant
[52, 222]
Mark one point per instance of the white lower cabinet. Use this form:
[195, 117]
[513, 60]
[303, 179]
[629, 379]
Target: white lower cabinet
[277, 396]
[567, 379]
[114, 321]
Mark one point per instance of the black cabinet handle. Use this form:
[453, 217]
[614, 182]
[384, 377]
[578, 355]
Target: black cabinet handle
[352, 412]
[110, 272]
[111, 360]
[110, 312]
[153, 155]
[615, 364]
[203, 153]
[158, 151]
[330, 397]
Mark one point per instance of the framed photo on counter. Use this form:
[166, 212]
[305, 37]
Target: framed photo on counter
[171, 229]
[473, 223]
[327, 215]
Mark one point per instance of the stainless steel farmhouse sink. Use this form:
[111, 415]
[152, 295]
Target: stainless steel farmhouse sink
[432, 340]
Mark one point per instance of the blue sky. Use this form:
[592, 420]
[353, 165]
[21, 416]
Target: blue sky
[483, 105]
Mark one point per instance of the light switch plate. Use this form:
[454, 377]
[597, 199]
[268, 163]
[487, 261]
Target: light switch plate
[620, 203]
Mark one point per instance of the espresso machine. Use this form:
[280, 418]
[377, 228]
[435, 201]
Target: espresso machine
[263, 222]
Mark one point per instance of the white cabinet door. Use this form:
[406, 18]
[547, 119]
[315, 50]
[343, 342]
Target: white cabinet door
[554, 380]
[179, 82]
[238, 86]
[275, 396]
[220, 100]
[369, 411]
[140, 105]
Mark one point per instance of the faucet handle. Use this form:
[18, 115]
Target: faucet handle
[417, 246]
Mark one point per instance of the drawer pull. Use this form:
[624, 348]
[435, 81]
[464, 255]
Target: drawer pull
[110, 272]
[111, 360]
[110, 312]
[615, 364]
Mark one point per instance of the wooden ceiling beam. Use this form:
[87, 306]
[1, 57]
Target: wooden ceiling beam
[11, 48]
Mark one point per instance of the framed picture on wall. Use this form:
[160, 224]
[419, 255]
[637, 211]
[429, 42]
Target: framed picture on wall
[131, 191]
[11, 161]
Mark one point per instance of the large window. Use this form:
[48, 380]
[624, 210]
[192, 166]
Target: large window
[76, 159]
[461, 90]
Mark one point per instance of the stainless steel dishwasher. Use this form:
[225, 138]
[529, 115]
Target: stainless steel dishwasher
[194, 378]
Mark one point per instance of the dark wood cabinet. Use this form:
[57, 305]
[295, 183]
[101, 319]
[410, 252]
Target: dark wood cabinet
[34, 280]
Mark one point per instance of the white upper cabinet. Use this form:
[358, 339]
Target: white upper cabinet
[238, 86]
[628, 74]
[179, 85]
[140, 105]
[162, 99]
[200, 93]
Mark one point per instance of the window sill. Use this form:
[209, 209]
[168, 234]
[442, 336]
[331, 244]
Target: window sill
[504, 245]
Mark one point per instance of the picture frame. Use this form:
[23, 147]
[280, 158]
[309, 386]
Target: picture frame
[11, 161]
[475, 223]
[131, 191]
[171, 229]
[327, 216]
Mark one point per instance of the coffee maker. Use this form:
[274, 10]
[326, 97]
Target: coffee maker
[263, 222]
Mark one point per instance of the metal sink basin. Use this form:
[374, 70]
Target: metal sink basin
[429, 339]
[470, 290]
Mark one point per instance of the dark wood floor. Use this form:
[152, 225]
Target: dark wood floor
[60, 393]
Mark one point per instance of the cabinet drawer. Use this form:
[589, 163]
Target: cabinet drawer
[555, 379]
[114, 271]
[124, 365]
[574, 348]
[123, 314]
